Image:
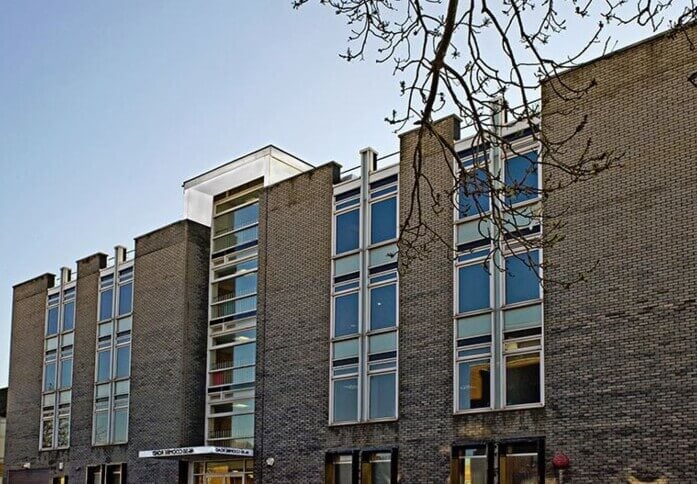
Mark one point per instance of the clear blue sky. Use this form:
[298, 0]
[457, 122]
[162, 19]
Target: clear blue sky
[106, 107]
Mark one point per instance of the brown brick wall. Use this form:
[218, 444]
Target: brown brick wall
[621, 378]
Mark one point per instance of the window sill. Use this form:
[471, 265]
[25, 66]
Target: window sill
[496, 410]
[364, 422]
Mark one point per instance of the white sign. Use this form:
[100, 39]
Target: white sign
[201, 450]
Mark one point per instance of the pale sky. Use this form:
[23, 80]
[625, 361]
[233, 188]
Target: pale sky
[107, 107]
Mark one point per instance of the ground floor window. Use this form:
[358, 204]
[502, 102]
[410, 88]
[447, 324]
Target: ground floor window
[106, 474]
[375, 466]
[238, 471]
[514, 462]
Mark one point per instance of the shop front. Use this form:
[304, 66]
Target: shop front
[209, 464]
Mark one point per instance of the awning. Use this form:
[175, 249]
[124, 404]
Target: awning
[190, 453]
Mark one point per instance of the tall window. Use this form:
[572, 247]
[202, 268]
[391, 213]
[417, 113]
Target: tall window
[232, 330]
[58, 368]
[113, 357]
[498, 294]
[364, 304]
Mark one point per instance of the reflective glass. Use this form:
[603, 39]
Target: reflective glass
[68, 316]
[66, 379]
[120, 425]
[473, 470]
[101, 428]
[522, 281]
[474, 384]
[52, 321]
[383, 220]
[382, 395]
[346, 400]
[347, 231]
[50, 377]
[125, 299]
[473, 194]
[346, 314]
[521, 178]
[518, 469]
[473, 288]
[104, 365]
[383, 307]
[244, 354]
[123, 361]
[105, 304]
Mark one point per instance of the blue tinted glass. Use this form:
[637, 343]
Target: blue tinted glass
[68, 316]
[244, 355]
[473, 288]
[474, 194]
[50, 377]
[382, 396]
[104, 365]
[66, 379]
[346, 400]
[123, 361]
[52, 321]
[105, 304]
[383, 307]
[383, 220]
[125, 299]
[347, 231]
[346, 314]
[521, 177]
[522, 281]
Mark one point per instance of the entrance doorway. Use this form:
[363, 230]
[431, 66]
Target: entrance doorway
[238, 471]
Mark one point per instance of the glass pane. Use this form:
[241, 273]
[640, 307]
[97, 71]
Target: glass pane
[235, 287]
[244, 355]
[346, 314]
[236, 238]
[382, 342]
[50, 377]
[346, 400]
[120, 425]
[473, 470]
[343, 473]
[47, 434]
[345, 349]
[66, 379]
[243, 375]
[383, 307]
[474, 326]
[519, 469]
[473, 288]
[124, 324]
[347, 231]
[104, 365]
[236, 268]
[522, 317]
[68, 339]
[52, 321]
[104, 329]
[474, 384]
[123, 361]
[242, 426]
[236, 306]
[125, 299]
[105, 304]
[522, 281]
[63, 431]
[523, 379]
[237, 219]
[52, 343]
[101, 428]
[473, 194]
[383, 220]
[347, 265]
[383, 255]
[68, 316]
[381, 472]
[382, 396]
[521, 178]
[474, 230]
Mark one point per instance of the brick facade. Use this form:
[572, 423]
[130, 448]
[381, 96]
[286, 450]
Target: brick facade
[621, 379]
[167, 365]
